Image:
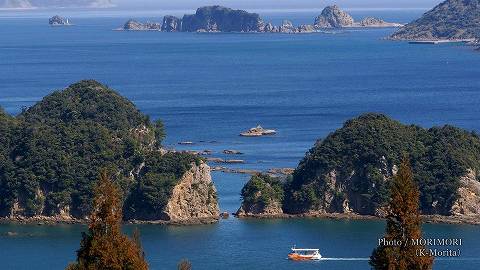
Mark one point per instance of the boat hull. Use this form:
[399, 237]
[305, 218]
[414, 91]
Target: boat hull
[298, 257]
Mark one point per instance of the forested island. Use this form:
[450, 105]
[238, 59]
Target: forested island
[52, 153]
[223, 19]
[349, 172]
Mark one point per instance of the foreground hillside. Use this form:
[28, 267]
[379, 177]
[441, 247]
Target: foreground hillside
[452, 19]
[51, 155]
[350, 170]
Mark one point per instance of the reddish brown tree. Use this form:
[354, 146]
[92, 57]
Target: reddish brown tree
[104, 246]
[184, 265]
[403, 226]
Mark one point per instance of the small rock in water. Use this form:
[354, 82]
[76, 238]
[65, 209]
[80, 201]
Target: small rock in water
[225, 215]
[232, 161]
[206, 152]
[186, 143]
[216, 160]
[232, 152]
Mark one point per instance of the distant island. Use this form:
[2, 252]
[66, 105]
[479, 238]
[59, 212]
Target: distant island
[348, 173]
[54, 3]
[58, 21]
[222, 19]
[453, 20]
[51, 155]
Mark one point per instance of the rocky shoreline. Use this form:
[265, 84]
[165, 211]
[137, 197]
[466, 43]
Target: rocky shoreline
[434, 219]
[431, 219]
[44, 220]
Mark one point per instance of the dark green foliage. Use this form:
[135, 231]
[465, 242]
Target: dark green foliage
[8, 128]
[159, 176]
[370, 146]
[262, 190]
[50, 155]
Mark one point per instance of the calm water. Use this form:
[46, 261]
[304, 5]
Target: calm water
[209, 87]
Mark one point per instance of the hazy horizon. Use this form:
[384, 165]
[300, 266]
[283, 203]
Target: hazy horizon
[276, 4]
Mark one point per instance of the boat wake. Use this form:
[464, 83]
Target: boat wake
[345, 259]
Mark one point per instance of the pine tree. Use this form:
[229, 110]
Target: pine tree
[403, 224]
[105, 247]
[184, 265]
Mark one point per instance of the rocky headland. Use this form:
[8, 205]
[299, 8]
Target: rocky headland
[221, 19]
[51, 155]
[334, 17]
[452, 20]
[347, 174]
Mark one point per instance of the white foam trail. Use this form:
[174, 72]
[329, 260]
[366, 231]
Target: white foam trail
[345, 259]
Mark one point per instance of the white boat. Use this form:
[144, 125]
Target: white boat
[304, 254]
[258, 131]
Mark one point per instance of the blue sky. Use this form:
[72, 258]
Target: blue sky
[278, 4]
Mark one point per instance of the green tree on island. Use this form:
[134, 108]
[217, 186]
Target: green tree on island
[403, 224]
[105, 247]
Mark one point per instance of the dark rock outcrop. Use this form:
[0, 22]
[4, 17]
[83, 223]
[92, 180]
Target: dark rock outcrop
[222, 19]
[450, 20]
[171, 24]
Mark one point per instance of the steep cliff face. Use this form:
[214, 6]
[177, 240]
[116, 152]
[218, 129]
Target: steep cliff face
[452, 19]
[222, 19]
[468, 201]
[353, 165]
[171, 24]
[194, 197]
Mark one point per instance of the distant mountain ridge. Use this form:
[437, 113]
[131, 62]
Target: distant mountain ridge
[54, 3]
[452, 19]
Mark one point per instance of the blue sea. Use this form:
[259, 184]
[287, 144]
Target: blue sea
[207, 88]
